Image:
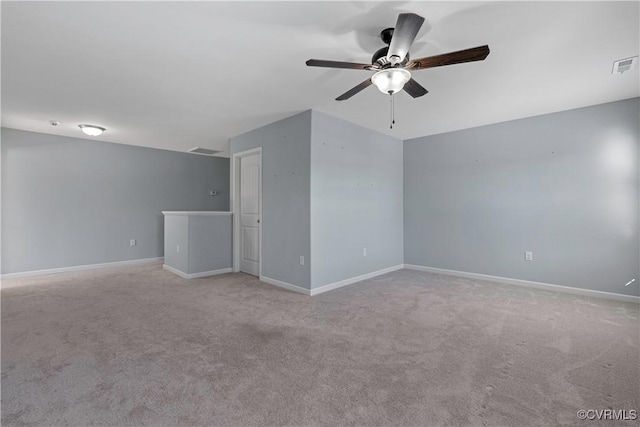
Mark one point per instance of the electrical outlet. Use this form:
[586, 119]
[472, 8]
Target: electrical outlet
[178, 248]
[364, 251]
[528, 256]
[132, 242]
[301, 260]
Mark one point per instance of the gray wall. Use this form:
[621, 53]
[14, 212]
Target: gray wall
[563, 185]
[176, 233]
[69, 201]
[210, 243]
[285, 195]
[205, 242]
[356, 200]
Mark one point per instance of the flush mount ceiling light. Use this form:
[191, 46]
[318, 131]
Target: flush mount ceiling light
[91, 130]
[391, 80]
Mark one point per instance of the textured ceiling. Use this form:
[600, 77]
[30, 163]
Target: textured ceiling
[175, 75]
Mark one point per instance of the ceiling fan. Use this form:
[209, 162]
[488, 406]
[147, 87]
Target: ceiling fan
[392, 64]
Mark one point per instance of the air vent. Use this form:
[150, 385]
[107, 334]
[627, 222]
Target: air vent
[622, 65]
[203, 151]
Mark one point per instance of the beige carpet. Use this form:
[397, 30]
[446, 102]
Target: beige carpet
[140, 346]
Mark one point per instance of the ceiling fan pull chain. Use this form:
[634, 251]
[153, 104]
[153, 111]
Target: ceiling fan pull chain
[391, 118]
[393, 110]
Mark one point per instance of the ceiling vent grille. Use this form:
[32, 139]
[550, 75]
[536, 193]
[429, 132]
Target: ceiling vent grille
[622, 65]
[203, 151]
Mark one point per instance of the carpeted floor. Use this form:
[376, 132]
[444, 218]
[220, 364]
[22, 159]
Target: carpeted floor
[140, 346]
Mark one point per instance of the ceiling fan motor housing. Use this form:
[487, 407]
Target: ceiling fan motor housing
[380, 58]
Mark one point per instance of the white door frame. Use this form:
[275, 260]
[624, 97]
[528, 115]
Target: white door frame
[235, 205]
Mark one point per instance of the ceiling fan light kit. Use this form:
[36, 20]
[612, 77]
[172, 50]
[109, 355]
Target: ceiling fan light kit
[391, 80]
[392, 65]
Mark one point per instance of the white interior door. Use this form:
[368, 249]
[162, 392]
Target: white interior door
[250, 177]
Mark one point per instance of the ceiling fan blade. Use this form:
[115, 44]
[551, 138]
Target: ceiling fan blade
[404, 33]
[468, 55]
[348, 94]
[337, 64]
[414, 88]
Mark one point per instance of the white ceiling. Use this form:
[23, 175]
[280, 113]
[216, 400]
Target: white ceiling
[175, 75]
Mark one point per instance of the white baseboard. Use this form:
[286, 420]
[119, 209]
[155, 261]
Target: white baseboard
[330, 286]
[195, 275]
[285, 285]
[81, 267]
[336, 285]
[528, 284]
